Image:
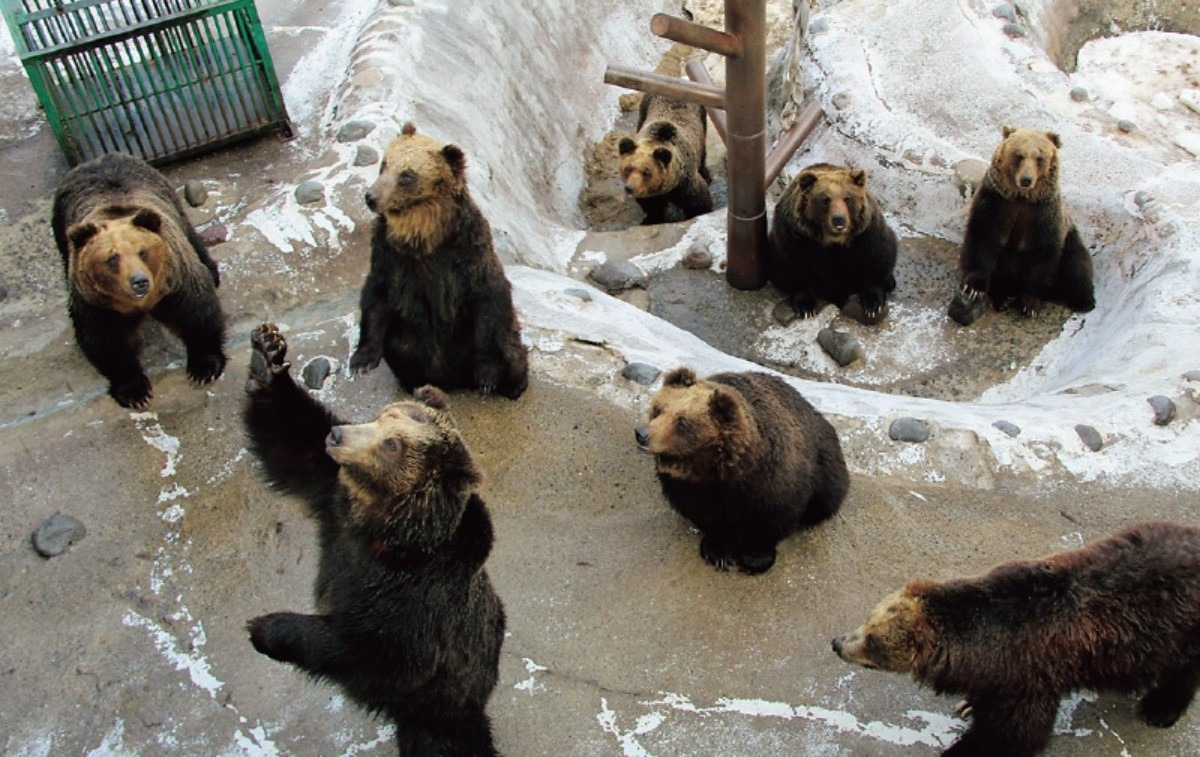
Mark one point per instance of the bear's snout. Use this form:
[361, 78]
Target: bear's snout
[1026, 181]
[838, 222]
[140, 284]
[837, 646]
[372, 201]
[641, 434]
[335, 436]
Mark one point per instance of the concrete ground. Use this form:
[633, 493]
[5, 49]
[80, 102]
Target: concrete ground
[621, 639]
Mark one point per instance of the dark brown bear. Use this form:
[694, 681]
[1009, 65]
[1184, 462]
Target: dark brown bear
[129, 251]
[1121, 614]
[1020, 243]
[829, 241]
[746, 459]
[436, 304]
[407, 622]
[663, 164]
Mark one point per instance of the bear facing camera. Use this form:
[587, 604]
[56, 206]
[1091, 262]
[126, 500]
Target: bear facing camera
[663, 164]
[1120, 614]
[436, 305]
[407, 621]
[746, 459]
[829, 241]
[1020, 243]
[128, 252]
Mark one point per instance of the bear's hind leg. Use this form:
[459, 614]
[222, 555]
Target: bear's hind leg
[1015, 724]
[1073, 284]
[1165, 703]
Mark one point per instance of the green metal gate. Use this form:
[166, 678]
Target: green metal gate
[159, 79]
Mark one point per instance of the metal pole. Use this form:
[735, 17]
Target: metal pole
[705, 94]
[745, 104]
[791, 140]
[696, 72]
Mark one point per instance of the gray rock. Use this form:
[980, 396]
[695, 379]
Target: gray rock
[617, 275]
[1080, 94]
[352, 131]
[819, 25]
[1009, 428]
[366, 156]
[840, 345]
[1192, 376]
[582, 294]
[640, 373]
[1015, 31]
[1164, 409]
[1005, 11]
[783, 313]
[56, 534]
[1126, 125]
[1090, 437]
[195, 193]
[908, 430]
[310, 192]
[696, 259]
[316, 372]
[841, 100]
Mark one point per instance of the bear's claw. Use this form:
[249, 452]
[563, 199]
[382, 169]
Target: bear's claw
[134, 395]
[268, 349]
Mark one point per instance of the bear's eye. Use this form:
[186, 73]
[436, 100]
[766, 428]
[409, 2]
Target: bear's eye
[114, 262]
[1040, 161]
[382, 166]
[144, 255]
[391, 445]
[655, 412]
[406, 178]
[682, 425]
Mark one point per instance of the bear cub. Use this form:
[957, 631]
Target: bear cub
[829, 240]
[407, 621]
[1120, 614]
[746, 459]
[663, 164]
[1020, 243]
[128, 252]
[436, 304]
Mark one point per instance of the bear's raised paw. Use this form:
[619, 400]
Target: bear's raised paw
[268, 349]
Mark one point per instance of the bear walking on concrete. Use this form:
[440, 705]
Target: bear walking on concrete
[1020, 243]
[829, 240]
[407, 621]
[663, 164]
[746, 459]
[436, 304]
[1120, 614]
[128, 251]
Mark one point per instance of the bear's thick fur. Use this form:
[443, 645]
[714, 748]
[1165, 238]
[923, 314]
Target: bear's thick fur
[1120, 614]
[1020, 243]
[407, 622]
[436, 304]
[128, 251]
[746, 459]
[663, 164]
[829, 240]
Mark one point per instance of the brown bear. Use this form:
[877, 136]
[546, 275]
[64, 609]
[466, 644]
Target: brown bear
[407, 621]
[664, 163]
[128, 251]
[829, 240]
[436, 304]
[745, 458]
[1120, 614]
[1020, 243]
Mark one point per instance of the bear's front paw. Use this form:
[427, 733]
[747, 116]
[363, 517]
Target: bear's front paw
[1030, 306]
[487, 378]
[717, 553]
[134, 393]
[204, 369]
[874, 306]
[974, 287]
[754, 563]
[805, 305]
[268, 349]
[1161, 708]
[364, 361]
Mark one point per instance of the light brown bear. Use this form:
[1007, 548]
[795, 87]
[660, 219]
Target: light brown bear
[1120, 614]
[829, 240]
[129, 252]
[664, 164]
[1020, 243]
[745, 458]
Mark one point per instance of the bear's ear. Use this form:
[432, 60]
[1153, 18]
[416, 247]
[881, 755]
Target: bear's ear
[455, 157]
[917, 587]
[859, 177]
[680, 377]
[626, 146]
[724, 407]
[82, 233]
[409, 129]
[1007, 131]
[663, 156]
[149, 220]
[1054, 138]
[432, 396]
[664, 131]
[806, 179]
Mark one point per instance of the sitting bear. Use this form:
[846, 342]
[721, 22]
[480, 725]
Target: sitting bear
[436, 304]
[1020, 243]
[1119, 614]
[407, 622]
[829, 240]
[664, 163]
[128, 251]
[746, 459]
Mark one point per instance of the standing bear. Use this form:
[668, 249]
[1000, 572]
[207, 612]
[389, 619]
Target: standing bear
[128, 251]
[1121, 614]
[436, 304]
[746, 459]
[407, 622]
[1020, 243]
[829, 240]
[664, 163]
